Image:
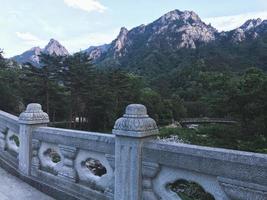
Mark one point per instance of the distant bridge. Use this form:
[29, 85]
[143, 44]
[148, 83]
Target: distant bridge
[206, 120]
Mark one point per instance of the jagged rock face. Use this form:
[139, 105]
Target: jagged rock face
[95, 52]
[251, 29]
[120, 42]
[177, 30]
[180, 30]
[32, 55]
[173, 30]
[251, 24]
[55, 48]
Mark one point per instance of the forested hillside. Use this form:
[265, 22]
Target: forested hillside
[209, 74]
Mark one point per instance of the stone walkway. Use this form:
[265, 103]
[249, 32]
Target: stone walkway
[12, 188]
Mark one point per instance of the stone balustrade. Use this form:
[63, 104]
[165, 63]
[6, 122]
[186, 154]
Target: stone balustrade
[130, 164]
[9, 138]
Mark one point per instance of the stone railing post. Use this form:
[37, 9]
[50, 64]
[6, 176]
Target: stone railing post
[29, 120]
[131, 131]
[68, 170]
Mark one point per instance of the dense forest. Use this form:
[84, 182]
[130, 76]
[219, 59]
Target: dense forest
[72, 88]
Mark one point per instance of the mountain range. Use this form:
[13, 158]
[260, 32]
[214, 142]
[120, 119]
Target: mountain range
[159, 43]
[32, 55]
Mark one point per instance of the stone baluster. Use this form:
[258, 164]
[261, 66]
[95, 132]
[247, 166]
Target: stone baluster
[68, 171]
[35, 158]
[131, 131]
[29, 120]
[3, 135]
[150, 170]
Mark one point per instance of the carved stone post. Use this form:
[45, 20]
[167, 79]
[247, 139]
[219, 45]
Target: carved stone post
[3, 135]
[131, 131]
[150, 170]
[35, 159]
[68, 172]
[29, 120]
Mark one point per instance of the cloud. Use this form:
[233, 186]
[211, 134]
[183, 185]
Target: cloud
[29, 38]
[226, 23]
[86, 5]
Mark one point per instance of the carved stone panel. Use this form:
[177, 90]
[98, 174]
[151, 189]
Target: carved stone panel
[94, 170]
[239, 190]
[50, 158]
[170, 175]
[68, 171]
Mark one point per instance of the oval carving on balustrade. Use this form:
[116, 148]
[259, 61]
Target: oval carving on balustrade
[95, 166]
[53, 155]
[15, 140]
[188, 190]
[12, 142]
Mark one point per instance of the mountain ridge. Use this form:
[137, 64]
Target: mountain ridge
[187, 31]
[171, 32]
[32, 55]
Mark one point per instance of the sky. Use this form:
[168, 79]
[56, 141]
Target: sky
[78, 24]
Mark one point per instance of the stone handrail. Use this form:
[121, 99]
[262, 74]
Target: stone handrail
[9, 138]
[226, 174]
[130, 164]
[9, 121]
[86, 161]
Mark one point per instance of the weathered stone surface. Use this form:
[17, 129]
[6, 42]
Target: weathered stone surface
[29, 120]
[68, 171]
[131, 131]
[33, 115]
[149, 172]
[135, 123]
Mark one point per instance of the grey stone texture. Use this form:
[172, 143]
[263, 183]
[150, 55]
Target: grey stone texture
[131, 131]
[130, 164]
[29, 120]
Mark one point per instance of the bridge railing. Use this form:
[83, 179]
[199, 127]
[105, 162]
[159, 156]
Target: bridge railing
[207, 120]
[225, 174]
[81, 163]
[130, 164]
[9, 138]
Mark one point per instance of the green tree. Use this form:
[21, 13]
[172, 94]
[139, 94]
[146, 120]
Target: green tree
[248, 101]
[78, 76]
[42, 83]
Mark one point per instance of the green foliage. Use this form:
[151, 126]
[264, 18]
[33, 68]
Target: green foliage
[190, 191]
[9, 87]
[248, 102]
[212, 81]
[223, 136]
[53, 155]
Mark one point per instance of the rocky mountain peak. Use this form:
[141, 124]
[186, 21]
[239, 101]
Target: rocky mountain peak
[180, 30]
[249, 30]
[179, 15]
[120, 41]
[36, 50]
[123, 32]
[250, 24]
[55, 48]
[32, 55]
